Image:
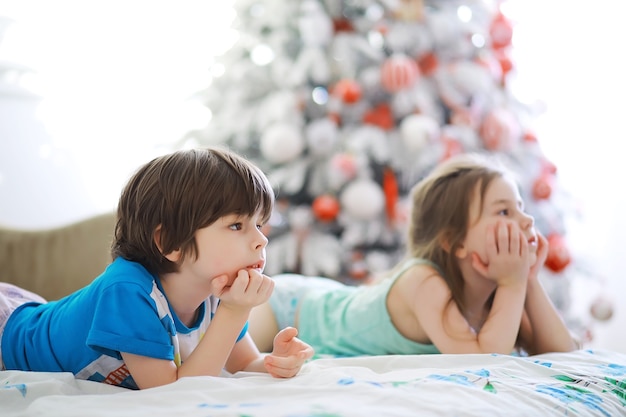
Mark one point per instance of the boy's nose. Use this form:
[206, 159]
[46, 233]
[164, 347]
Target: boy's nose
[261, 242]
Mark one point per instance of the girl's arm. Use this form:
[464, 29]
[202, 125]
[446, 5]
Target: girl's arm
[508, 266]
[545, 330]
[450, 332]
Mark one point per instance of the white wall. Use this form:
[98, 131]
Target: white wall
[115, 79]
[569, 54]
[115, 83]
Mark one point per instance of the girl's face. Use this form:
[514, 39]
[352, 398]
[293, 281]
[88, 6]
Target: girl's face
[501, 203]
[230, 244]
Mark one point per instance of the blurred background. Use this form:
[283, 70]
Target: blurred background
[91, 90]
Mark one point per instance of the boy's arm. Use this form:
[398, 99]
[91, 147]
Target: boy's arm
[208, 358]
[210, 355]
[245, 357]
[285, 361]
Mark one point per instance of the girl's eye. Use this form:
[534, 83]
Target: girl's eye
[259, 226]
[503, 212]
[235, 226]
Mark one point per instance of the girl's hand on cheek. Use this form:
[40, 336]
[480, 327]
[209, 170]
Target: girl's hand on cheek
[507, 254]
[542, 255]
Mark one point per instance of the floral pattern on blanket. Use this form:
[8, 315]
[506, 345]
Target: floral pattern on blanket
[581, 383]
[571, 390]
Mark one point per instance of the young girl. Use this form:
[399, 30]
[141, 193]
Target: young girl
[469, 284]
[188, 256]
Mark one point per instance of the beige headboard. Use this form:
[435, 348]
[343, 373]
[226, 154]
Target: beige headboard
[55, 262]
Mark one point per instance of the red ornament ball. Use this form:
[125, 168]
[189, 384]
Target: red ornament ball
[548, 167]
[499, 130]
[530, 137]
[344, 164]
[506, 64]
[325, 208]
[501, 32]
[451, 147]
[380, 116]
[428, 63]
[348, 90]
[542, 187]
[558, 253]
[399, 72]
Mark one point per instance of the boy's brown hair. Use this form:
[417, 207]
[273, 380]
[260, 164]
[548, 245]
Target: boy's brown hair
[182, 192]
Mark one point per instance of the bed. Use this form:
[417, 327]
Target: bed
[579, 383]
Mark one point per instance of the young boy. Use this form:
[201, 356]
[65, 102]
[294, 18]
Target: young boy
[188, 256]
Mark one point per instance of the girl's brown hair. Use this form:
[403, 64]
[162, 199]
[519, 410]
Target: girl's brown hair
[182, 192]
[440, 213]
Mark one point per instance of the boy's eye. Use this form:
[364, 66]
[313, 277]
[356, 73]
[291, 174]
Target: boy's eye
[235, 226]
[503, 212]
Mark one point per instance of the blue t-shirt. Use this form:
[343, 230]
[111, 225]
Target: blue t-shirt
[122, 310]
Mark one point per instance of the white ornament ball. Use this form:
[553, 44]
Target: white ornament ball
[362, 199]
[471, 79]
[369, 78]
[316, 27]
[300, 218]
[444, 27]
[602, 308]
[281, 143]
[418, 131]
[378, 261]
[321, 136]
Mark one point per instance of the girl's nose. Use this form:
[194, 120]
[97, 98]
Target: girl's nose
[527, 221]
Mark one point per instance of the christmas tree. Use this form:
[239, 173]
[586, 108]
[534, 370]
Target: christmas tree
[347, 104]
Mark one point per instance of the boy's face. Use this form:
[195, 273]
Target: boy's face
[502, 203]
[230, 244]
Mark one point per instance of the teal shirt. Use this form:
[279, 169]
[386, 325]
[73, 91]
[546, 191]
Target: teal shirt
[353, 320]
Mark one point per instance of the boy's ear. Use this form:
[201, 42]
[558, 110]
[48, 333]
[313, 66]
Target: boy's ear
[173, 256]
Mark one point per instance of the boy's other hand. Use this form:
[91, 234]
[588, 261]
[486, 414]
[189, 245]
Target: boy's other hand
[289, 354]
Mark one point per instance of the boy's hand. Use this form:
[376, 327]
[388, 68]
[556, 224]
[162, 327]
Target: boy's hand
[507, 254]
[249, 289]
[289, 354]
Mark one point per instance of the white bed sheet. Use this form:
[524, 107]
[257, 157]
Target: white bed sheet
[580, 383]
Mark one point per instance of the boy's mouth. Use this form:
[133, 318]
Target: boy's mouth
[259, 266]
